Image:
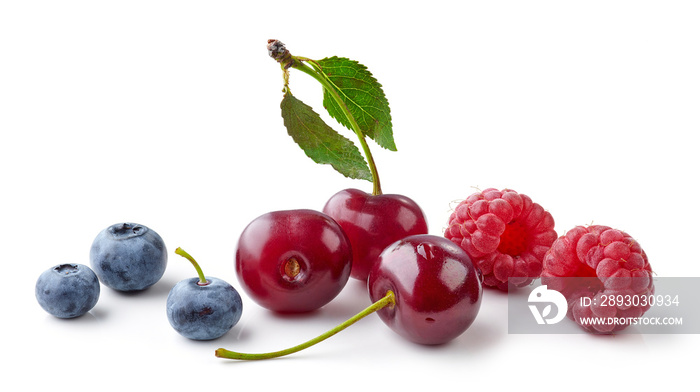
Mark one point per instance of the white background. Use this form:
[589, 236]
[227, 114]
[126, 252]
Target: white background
[166, 113]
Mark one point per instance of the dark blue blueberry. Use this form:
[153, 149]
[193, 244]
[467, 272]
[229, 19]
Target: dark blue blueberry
[203, 312]
[128, 257]
[67, 290]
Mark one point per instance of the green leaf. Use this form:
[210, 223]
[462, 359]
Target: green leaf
[362, 95]
[320, 142]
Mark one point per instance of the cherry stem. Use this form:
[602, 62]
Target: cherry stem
[317, 73]
[388, 300]
[286, 60]
[202, 280]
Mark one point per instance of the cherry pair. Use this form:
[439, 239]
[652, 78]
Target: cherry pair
[299, 260]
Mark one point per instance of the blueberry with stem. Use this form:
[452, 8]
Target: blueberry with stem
[202, 308]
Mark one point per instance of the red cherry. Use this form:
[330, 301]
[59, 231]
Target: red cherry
[293, 261]
[424, 287]
[438, 290]
[372, 222]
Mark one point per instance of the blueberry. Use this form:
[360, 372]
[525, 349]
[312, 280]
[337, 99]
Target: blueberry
[128, 257]
[202, 308]
[67, 290]
[203, 312]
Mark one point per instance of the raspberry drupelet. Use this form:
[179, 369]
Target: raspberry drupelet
[505, 233]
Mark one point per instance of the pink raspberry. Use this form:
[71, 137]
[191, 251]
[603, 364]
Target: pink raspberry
[614, 275]
[506, 235]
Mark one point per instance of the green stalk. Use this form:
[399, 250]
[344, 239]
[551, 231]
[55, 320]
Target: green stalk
[387, 300]
[202, 280]
[316, 73]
